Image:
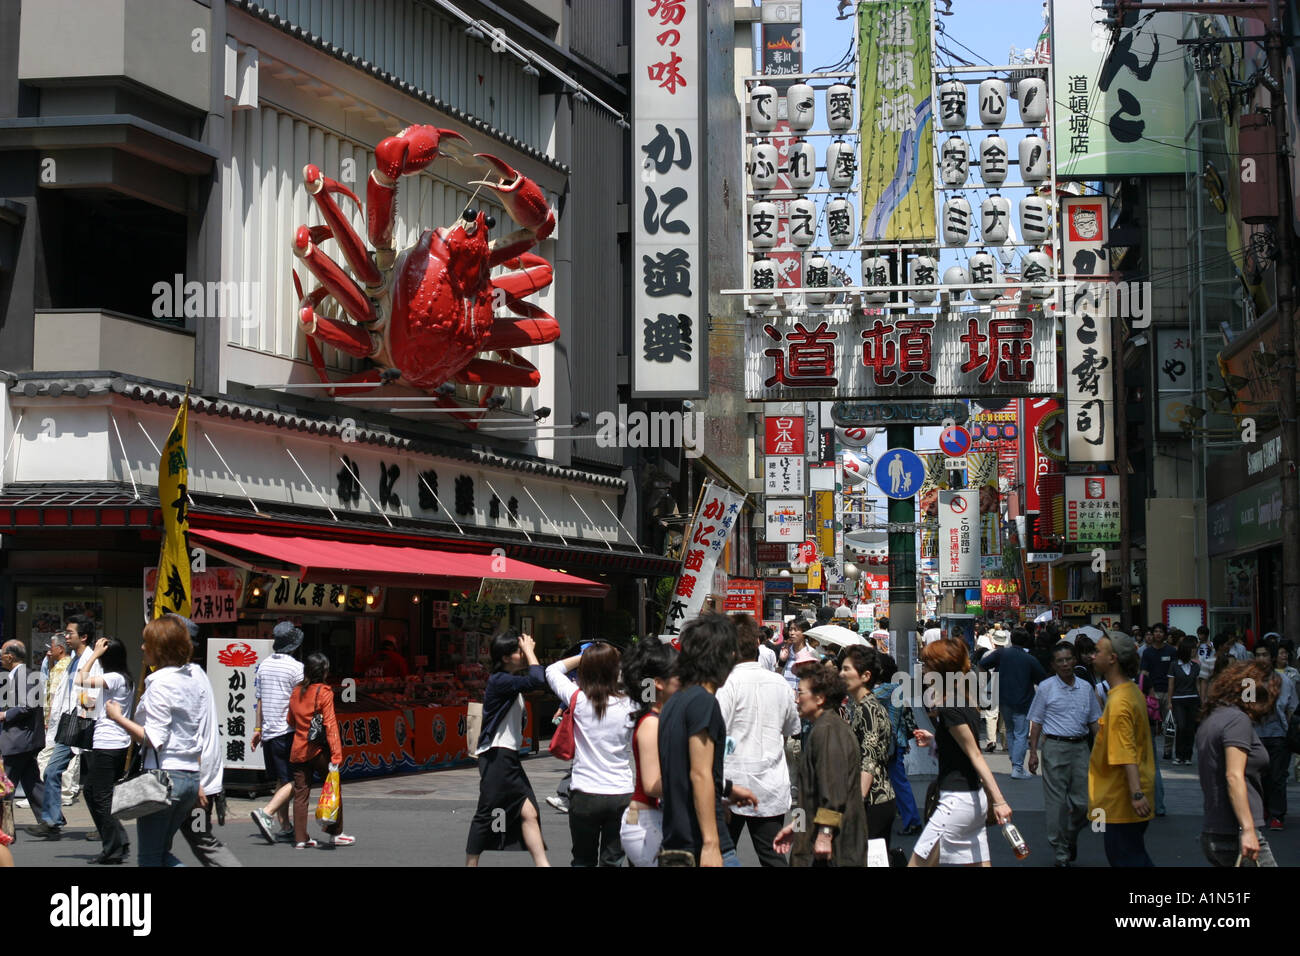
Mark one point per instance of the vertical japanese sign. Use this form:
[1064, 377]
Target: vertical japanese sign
[959, 550]
[783, 520]
[172, 594]
[782, 39]
[824, 515]
[784, 475]
[1089, 375]
[230, 668]
[1120, 108]
[784, 435]
[1085, 230]
[1174, 375]
[668, 153]
[896, 121]
[1043, 423]
[1092, 513]
[717, 514]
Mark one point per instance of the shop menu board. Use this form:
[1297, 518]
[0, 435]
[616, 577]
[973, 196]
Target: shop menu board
[231, 668]
[48, 615]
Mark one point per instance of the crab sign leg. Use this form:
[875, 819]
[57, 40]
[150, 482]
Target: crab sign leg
[529, 274]
[321, 189]
[513, 370]
[409, 151]
[331, 275]
[527, 206]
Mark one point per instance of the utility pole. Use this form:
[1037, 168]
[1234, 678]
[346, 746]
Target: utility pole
[1275, 39]
[1121, 468]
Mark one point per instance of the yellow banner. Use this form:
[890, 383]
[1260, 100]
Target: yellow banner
[172, 594]
[897, 121]
[824, 512]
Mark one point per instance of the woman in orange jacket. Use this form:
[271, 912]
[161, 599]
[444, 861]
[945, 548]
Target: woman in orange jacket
[308, 757]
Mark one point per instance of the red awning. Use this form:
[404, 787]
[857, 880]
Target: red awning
[319, 561]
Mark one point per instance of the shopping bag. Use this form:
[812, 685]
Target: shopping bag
[327, 808]
[562, 742]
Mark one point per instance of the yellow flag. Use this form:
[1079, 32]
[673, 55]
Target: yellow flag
[172, 592]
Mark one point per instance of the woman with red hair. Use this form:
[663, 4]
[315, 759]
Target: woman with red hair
[955, 830]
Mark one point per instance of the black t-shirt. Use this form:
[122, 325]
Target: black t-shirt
[689, 711]
[956, 772]
[1156, 662]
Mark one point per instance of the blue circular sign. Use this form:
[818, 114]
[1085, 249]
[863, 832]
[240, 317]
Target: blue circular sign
[955, 441]
[899, 473]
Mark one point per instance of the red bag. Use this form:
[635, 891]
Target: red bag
[562, 739]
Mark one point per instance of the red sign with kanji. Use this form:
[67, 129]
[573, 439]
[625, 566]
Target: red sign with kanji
[783, 435]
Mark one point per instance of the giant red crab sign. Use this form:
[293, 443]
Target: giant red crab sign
[423, 315]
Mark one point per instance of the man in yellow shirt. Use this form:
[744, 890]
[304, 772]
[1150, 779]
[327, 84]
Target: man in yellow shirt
[1122, 772]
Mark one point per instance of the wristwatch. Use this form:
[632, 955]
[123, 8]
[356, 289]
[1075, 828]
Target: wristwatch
[1139, 795]
[826, 831]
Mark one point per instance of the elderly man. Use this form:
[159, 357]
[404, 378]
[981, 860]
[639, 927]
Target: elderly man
[54, 670]
[63, 760]
[1064, 712]
[22, 723]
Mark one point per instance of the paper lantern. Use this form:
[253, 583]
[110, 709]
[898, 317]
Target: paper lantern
[839, 108]
[984, 270]
[801, 166]
[952, 104]
[956, 222]
[803, 222]
[993, 160]
[1033, 160]
[924, 270]
[763, 109]
[841, 165]
[801, 107]
[995, 219]
[762, 166]
[839, 222]
[954, 161]
[956, 275]
[875, 272]
[1034, 211]
[1036, 266]
[763, 225]
[817, 276]
[993, 102]
[762, 278]
[1032, 93]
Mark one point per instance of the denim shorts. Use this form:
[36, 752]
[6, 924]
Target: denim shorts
[277, 751]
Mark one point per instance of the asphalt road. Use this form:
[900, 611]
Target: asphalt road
[422, 820]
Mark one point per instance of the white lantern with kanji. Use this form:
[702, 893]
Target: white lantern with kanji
[1036, 266]
[956, 275]
[993, 102]
[763, 224]
[801, 107]
[762, 279]
[923, 271]
[839, 108]
[875, 272]
[803, 222]
[1032, 93]
[952, 104]
[801, 166]
[817, 276]
[954, 161]
[956, 222]
[984, 270]
[1033, 160]
[1034, 212]
[841, 165]
[839, 222]
[762, 166]
[995, 219]
[993, 160]
[763, 108]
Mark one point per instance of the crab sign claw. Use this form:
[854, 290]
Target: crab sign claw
[410, 150]
[521, 196]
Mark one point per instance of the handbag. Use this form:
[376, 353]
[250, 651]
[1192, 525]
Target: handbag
[147, 792]
[76, 731]
[316, 735]
[562, 744]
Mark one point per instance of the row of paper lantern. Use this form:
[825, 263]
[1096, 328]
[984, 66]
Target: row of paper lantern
[840, 228]
[801, 166]
[801, 108]
[993, 93]
[982, 271]
[995, 220]
[954, 161]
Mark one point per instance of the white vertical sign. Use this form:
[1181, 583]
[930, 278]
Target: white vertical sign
[668, 155]
[718, 513]
[231, 666]
[1089, 375]
[959, 550]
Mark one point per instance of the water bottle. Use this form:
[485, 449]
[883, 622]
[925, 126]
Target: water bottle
[1018, 844]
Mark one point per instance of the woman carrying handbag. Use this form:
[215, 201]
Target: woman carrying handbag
[106, 761]
[316, 748]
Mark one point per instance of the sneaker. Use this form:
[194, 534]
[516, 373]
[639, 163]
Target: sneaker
[1018, 774]
[1276, 824]
[285, 836]
[305, 845]
[559, 803]
[25, 804]
[990, 747]
[264, 821]
[43, 831]
[341, 839]
[69, 801]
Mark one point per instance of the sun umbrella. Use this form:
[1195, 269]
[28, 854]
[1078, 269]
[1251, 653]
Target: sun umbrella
[834, 635]
[1043, 618]
[1094, 633]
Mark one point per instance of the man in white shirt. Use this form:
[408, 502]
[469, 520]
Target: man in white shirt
[276, 677]
[881, 636]
[760, 714]
[766, 656]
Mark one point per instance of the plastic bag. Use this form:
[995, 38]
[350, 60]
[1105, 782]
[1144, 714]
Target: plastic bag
[327, 807]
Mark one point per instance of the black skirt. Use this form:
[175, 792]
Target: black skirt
[503, 790]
